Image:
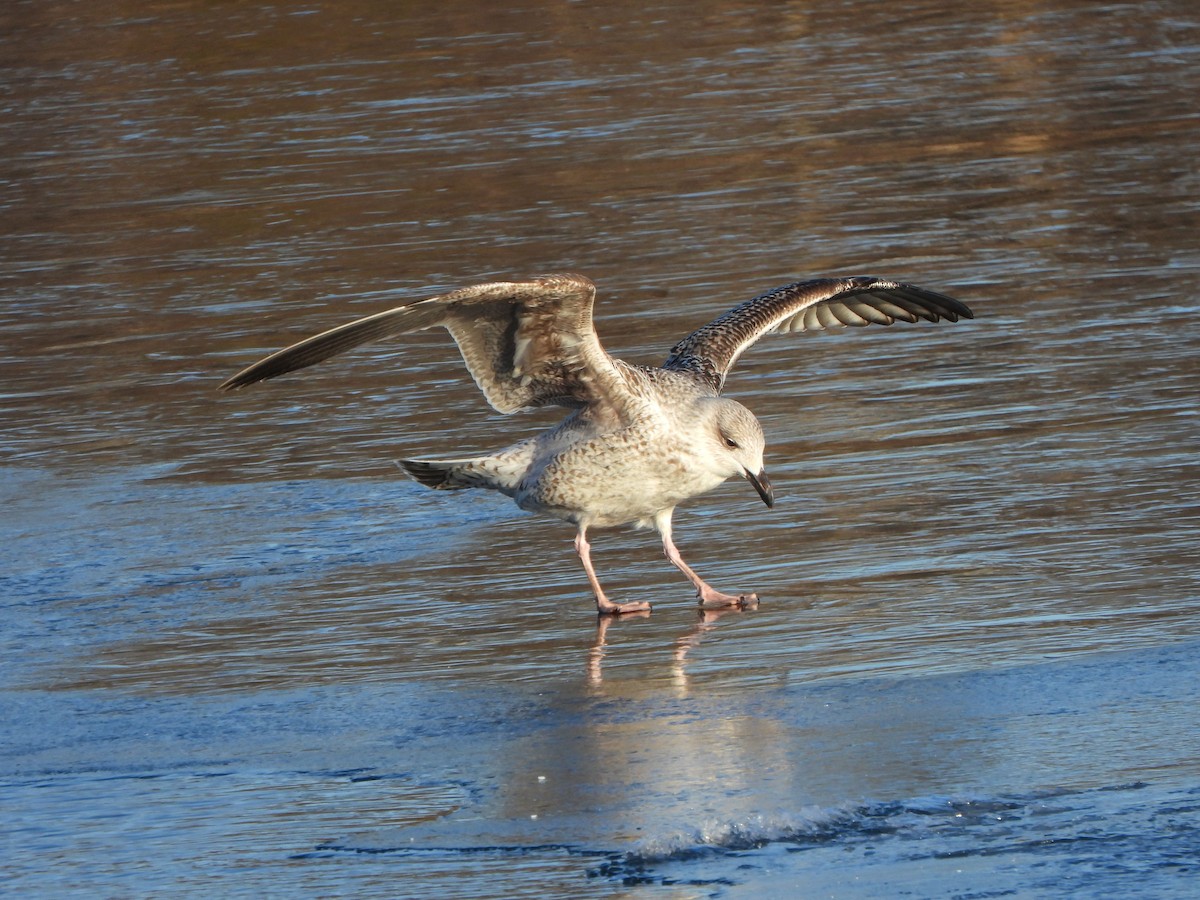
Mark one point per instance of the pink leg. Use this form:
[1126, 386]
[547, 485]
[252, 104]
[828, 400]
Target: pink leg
[603, 604]
[709, 596]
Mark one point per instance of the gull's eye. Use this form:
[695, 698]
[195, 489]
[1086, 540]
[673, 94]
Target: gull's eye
[729, 442]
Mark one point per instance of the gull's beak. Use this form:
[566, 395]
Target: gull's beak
[762, 484]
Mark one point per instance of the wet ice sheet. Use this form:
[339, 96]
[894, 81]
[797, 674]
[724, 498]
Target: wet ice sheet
[940, 785]
[233, 694]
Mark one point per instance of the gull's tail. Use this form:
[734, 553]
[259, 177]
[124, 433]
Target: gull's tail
[503, 471]
[456, 474]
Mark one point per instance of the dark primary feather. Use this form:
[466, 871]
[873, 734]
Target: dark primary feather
[711, 351]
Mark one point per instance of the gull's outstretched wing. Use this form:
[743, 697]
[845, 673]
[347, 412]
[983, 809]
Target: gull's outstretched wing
[526, 343]
[711, 351]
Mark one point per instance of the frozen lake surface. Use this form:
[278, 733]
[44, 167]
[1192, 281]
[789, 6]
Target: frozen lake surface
[243, 656]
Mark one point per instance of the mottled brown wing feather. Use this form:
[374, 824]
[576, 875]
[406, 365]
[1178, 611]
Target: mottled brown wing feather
[711, 351]
[526, 343]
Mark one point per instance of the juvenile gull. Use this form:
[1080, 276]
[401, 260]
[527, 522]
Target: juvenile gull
[639, 440]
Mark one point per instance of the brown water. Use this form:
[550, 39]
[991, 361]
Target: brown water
[229, 621]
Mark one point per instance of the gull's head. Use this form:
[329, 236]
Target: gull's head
[737, 444]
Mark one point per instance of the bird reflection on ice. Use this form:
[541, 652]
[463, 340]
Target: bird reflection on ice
[684, 644]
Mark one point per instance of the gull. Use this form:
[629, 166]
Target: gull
[638, 440]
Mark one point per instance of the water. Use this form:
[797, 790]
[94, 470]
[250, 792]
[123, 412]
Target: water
[243, 656]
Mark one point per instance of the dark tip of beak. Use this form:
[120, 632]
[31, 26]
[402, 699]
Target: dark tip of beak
[762, 484]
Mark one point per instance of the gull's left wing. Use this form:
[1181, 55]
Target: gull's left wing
[711, 351]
